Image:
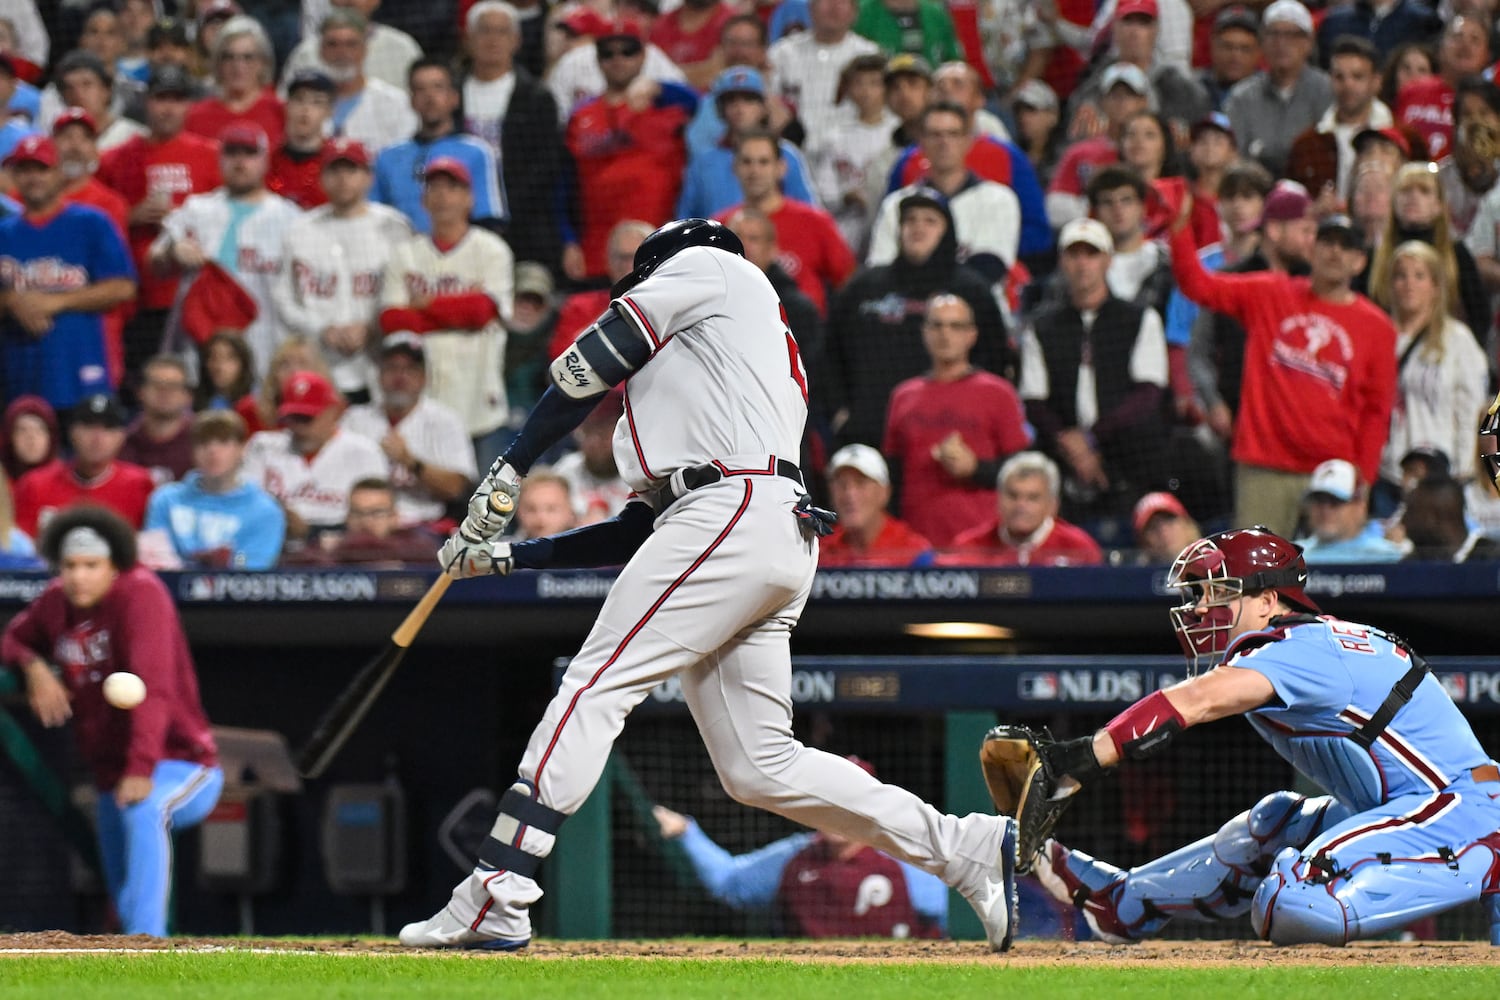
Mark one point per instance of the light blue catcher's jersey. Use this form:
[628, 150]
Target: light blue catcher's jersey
[1330, 677]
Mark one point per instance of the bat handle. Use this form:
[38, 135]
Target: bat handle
[502, 503]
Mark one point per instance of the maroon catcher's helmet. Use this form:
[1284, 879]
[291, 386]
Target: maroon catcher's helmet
[1214, 572]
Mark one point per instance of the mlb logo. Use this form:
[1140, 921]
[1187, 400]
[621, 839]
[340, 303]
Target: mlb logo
[1457, 686]
[1038, 687]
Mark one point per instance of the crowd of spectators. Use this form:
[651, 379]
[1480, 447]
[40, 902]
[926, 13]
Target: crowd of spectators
[1071, 281]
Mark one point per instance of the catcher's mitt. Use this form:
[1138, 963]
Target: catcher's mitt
[1024, 785]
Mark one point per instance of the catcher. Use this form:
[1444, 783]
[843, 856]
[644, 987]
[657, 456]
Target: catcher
[1410, 826]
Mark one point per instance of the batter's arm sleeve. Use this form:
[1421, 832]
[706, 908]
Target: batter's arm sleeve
[744, 881]
[148, 652]
[604, 543]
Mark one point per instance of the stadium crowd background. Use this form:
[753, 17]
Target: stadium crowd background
[280, 279]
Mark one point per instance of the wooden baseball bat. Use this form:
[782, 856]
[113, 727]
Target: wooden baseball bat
[354, 702]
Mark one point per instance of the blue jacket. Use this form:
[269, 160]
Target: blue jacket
[246, 520]
[1369, 546]
[709, 185]
[398, 176]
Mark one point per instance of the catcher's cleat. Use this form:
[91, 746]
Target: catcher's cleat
[1093, 887]
[488, 910]
[995, 899]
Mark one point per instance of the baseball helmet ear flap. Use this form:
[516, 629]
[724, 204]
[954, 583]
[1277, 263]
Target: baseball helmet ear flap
[670, 240]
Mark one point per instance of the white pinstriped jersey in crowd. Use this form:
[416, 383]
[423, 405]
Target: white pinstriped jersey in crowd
[318, 490]
[334, 268]
[805, 74]
[256, 255]
[465, 368]
[434, 434]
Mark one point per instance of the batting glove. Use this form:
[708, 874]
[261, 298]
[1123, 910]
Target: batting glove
[483, 522]
[464, 560]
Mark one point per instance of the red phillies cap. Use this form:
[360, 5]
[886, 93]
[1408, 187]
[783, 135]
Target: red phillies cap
[1390, 134]
[344, 150]
[1152, 504]
[1128, 7]
[622, 27]
[306, 394]
[245, 134]
[451, 166]
[582, 21]
[33, 149]
[75, 116]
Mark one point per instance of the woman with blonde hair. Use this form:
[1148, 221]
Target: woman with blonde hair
[296, 354]
[1419, 211]
[1442, 376]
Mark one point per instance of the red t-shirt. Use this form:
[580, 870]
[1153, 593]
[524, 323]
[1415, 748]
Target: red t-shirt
[1079, 163]
[985, 410]
[297, 177]
[577, 312]
[683, 48]
[812, 250]
[630, 166]
[211, 116]
[1426, 104]
[139, 168]
[1061, 544]
[134, 628]
[987, 158]
[1320, 377]
[895, 545]
[123, 488]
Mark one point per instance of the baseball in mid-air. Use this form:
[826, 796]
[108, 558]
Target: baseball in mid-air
[124, 690]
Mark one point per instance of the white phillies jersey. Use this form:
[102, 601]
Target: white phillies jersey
[725, 378]
[318, 490]
[331, 277]
[465, 368]
[805, 74]
[256, 254]
[986, 220]
[436, 437]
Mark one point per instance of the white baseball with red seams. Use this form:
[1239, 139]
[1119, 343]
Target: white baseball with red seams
[710, 597]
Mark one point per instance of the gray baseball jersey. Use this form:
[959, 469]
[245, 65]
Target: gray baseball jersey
[713, 593]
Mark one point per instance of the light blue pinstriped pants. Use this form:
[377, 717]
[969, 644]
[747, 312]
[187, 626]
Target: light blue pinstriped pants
[135, 843]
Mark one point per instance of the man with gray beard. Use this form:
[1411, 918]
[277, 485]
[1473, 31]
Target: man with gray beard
[432, 462]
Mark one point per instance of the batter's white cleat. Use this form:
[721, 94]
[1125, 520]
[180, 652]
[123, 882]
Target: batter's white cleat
[995, 899]
[488, 910]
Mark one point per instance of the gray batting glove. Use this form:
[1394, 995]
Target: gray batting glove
[464, 560]
[483, 522]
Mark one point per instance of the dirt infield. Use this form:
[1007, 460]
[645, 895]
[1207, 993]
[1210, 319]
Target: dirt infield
[1033, 953]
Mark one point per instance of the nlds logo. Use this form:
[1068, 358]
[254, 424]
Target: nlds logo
[1082, 685]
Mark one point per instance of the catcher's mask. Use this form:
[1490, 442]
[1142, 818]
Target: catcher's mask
[1490, 427]
[1214, 572]
[670, 240]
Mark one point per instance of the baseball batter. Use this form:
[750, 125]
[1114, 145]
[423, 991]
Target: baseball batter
[1410, 826]
[719, 548]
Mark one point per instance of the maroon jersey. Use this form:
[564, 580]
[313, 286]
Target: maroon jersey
[123, 488]
[134, 628]
[166, 460]
[824, 895]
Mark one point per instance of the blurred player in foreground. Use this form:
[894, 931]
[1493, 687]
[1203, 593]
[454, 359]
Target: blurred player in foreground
[719, 549]
[1410, 826]
[155, 766]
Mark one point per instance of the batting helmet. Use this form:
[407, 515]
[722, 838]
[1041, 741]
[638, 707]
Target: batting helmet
[1214, 572]
[670, 240]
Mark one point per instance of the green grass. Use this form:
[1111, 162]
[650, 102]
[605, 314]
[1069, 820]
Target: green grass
[266, 976]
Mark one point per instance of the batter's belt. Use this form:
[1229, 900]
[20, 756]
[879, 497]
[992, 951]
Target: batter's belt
[682, 482]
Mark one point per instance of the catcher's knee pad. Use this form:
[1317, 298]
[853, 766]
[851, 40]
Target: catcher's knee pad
[1249, 842]
[1288, 911]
